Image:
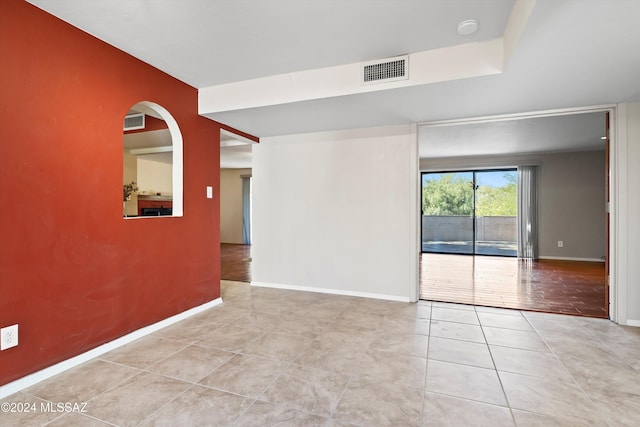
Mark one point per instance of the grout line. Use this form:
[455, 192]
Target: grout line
[262, 393]
[575, 382]
[495, 368]
[148, 417]
[352, 376]
[426, 368]
[333, 411]
[82, 415]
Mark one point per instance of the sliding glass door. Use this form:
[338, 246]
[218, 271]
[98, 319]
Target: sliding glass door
[496, 225]
[470, 212]
[447, 212]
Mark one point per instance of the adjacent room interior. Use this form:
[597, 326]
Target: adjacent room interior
[235, 207]
[147, 164]
[481, 244]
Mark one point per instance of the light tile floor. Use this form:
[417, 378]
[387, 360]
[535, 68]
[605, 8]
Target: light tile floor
[274, 357]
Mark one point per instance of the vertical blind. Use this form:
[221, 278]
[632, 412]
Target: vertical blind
[527, 212]
[246, 210]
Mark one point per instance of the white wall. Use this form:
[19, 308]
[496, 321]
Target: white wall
[231, 204]
[626, 209]
[338, 212]
[155, 177]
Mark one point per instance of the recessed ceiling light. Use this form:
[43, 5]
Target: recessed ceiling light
[603, 137]
[467, 27]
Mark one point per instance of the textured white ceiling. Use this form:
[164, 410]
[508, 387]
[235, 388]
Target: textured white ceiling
[571, 53]
[235, 151]
[148, 139]
[576, 132]
[210, 42]
[236, 157]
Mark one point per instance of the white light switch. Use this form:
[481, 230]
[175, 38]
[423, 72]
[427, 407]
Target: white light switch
[209, 192]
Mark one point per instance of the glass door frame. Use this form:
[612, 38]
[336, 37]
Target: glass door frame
[474, 216]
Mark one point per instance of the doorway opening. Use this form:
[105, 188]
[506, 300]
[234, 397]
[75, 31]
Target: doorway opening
[235, 206]
[562, 268]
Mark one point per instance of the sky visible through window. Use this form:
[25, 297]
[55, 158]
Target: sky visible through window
[490, 178]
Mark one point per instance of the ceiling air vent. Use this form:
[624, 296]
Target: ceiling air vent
[134, 121]
[386, 70]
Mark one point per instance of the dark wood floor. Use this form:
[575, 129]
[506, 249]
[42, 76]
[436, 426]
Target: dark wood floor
[235, 262]
[567, 287]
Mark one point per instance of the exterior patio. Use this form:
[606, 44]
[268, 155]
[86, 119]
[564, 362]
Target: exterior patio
[494, 235]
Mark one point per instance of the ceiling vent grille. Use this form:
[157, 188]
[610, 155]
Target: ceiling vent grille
[134, 121]
[386, 70]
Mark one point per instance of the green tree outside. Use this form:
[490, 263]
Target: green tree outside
[448, 195]
[498, 201]
[452, 194]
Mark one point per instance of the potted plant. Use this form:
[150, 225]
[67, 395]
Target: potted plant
[127, 191]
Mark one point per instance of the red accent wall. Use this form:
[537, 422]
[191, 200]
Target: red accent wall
[73, 273]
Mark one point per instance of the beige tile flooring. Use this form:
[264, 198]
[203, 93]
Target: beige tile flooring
[271, 357]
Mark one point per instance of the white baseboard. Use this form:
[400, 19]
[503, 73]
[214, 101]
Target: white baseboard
[331, 291]
[631, 322]
[564, 258]
[36, 377]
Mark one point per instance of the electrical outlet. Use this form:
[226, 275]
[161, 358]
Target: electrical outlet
[560, 244]
[8, 337]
